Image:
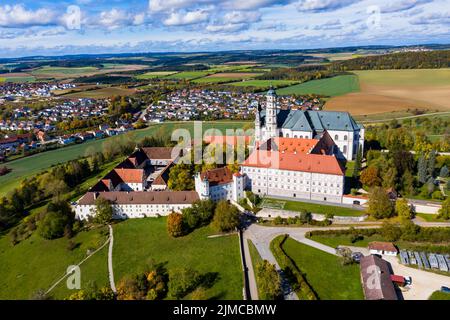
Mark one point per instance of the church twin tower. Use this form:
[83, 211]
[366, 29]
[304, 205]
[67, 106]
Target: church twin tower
[270, 118]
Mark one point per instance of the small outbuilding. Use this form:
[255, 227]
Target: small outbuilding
[383, 248]
[376, 279]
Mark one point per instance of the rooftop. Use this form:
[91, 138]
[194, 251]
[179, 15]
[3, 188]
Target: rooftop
[141, 197]
[385, 246]
[217, 176]
[376, 279]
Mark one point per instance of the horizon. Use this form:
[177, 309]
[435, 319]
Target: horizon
[39, 28]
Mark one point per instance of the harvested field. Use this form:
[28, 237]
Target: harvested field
[396, 90]
[101, 93]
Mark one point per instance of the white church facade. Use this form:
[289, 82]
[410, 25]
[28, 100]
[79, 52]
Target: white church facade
[308, 124]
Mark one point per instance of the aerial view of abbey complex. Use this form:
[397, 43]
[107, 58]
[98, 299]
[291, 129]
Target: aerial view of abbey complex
[224, 151]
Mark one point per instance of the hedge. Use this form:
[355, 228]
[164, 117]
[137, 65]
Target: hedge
[291, 271]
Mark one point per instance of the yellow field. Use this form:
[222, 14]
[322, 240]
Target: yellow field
[396, 90]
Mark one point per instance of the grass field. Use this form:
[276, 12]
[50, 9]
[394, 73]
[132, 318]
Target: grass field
[344, 240]
[439, 295]
[37, 263]
[384, 91]
[61, 72]
[332, 87]
[263, 83]
[312, 207]
[100, 93]
[154, 75]
[18, 77]
[136, 241]
[26, 167]
[324, 272]
[188, 75]
[226, 77]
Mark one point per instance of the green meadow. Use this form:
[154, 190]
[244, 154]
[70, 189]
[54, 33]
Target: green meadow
[332, 87]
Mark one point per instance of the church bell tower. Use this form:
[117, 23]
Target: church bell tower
[271, 114]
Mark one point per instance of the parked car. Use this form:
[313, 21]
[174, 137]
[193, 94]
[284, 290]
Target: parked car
[356, 256]
[445, 289]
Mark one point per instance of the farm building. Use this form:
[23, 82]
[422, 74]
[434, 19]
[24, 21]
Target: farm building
[376, 279]
[383, 248]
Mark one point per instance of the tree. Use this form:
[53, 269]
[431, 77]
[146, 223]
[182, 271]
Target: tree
[103, 211]
[408, 183]
[226, 217]
[182, 281]
[175, 224]
[389, 178]
[369, 177]
[357, 167]
[443, 173]
[52, 225]
[269, 281]
[422, 169]
[180, 178]
[390, 232]
[444, 211]
[380, 206]
[403, 209]
[431, 163]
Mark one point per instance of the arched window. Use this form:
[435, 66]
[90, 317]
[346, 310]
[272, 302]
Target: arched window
[336, 137]
[281, 134]
[287, 135]
[345, 138]
[344, 150]
[295, 136]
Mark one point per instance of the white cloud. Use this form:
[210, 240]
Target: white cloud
[188, 18]
[323, 5]
[116, 18]
[227, 28]
[17, 16]
[169, 5]
[403, 5]
[242, 17]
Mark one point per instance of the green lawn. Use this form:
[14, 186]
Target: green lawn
[324, 272]
[254, 254]
[439, 295]
[263, 83]
[411, 77]
[28, 166]
[344, 240]
[36, 263]
[429, 217]
[332, 87]
[49, 71]
[19, 79]
[215, 80]
[318, 208]
[138, 240]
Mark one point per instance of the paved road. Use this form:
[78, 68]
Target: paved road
[110, 264]
[250, 271]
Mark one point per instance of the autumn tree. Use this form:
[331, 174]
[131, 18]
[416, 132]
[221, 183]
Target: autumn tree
[269, 281]
[380, 206]
[444, 211]
[403, 209]
[369, 177]
[226, 217]
[175, 224]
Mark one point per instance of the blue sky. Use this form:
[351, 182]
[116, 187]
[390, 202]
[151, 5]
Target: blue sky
[33, 27]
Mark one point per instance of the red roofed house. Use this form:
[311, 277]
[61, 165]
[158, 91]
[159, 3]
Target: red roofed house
[383, 248]
[220, 184]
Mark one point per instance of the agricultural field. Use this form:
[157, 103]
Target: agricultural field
[138, 240]
[188, 75]
[263, 84]
[325, 273]
[18, 77]
[155, 75]
[226, 77]
[396, 90]
[331, 87]
[26, 167]
[60, 73]
[100, 93]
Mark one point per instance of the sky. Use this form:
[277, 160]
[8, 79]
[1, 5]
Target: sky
[45, 27]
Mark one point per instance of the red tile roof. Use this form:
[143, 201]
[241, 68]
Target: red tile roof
[161, 153]
[218, 176]
[384, 246]
[294, 162]
[291, 145]
[130, 175]
[230, 140]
